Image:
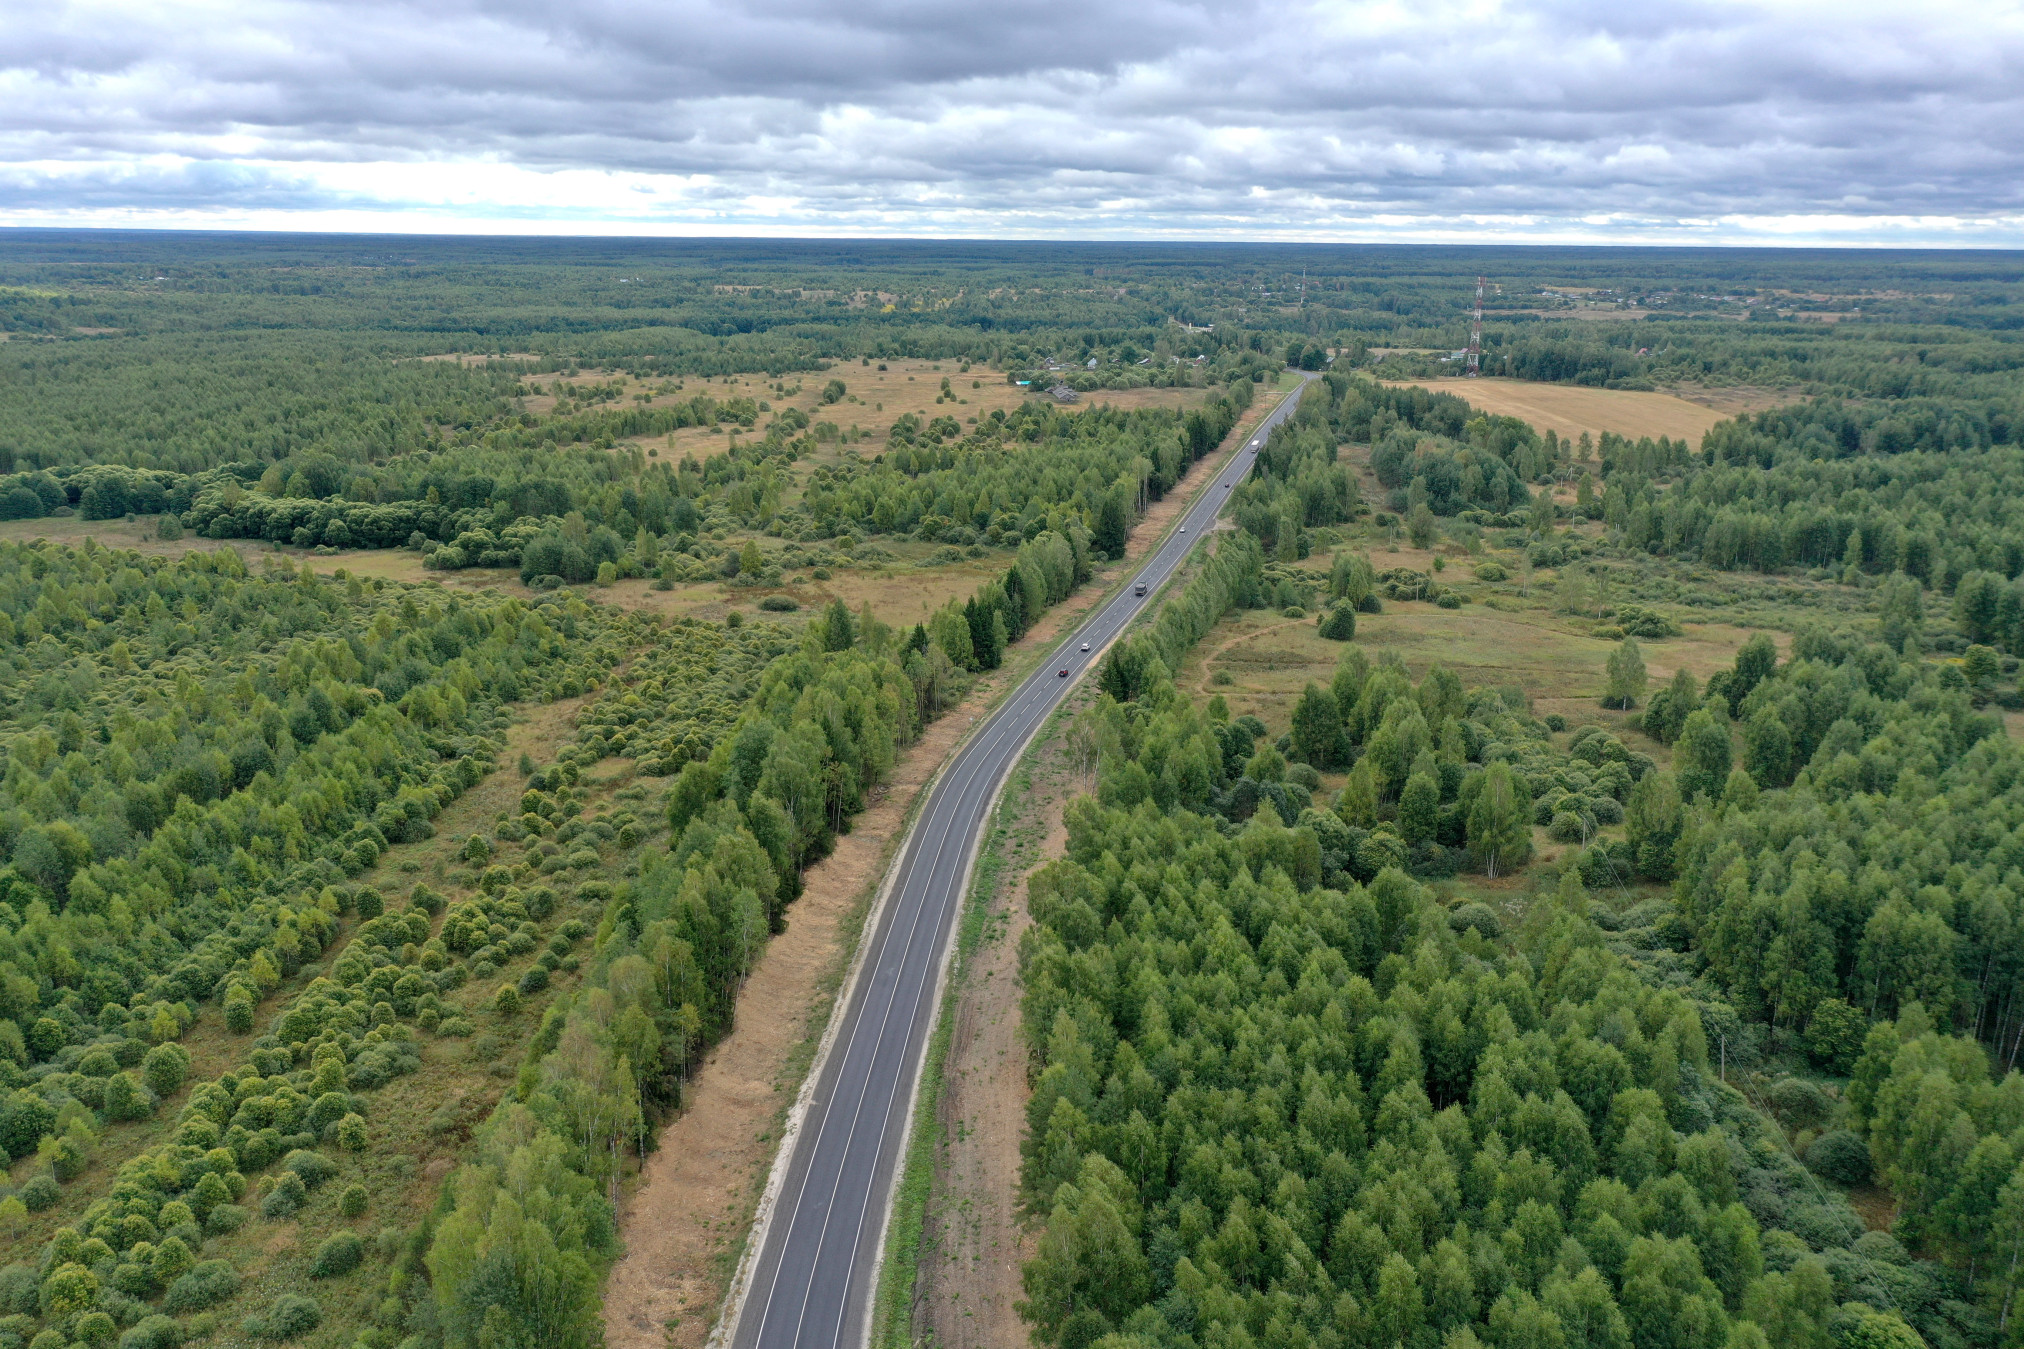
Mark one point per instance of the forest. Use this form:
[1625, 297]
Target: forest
[1285, 1094]
[1293, 1081]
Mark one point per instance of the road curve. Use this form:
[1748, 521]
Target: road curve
[811, 1285]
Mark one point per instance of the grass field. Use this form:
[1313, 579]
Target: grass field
[878, 394]
[1269, 658]
[1570, 409]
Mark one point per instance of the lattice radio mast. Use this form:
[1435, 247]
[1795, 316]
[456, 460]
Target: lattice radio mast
[1476, 333]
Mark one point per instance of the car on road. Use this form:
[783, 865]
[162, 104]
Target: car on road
[1085, 646]
[1064, 672]
[1139, 589]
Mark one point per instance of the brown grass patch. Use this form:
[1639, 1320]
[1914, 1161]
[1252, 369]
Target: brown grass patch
[1875, 1206]
[875, 400]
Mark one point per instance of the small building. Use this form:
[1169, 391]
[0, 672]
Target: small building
[1063, 394]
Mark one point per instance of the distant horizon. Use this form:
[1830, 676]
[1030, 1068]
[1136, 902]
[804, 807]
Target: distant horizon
[841, 237]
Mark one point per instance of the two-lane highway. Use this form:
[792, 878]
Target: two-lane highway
[810, 1286]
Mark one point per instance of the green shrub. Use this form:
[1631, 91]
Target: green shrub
[41, 1193]
[224, 1219]
[67, 1289]
[172, 1260]
[351, 1133]
[313, 1167]
[1841, 1157]
[352, 1202]
[67, 1159]
[238, 1014]
[291, 1315]
[1339, 623]
[1479, 917]
[778, 604]
[165, 1067]
[127, 1099]
[152, 1332]
[338, 1255]
[1797, 1102]
[288, 1195]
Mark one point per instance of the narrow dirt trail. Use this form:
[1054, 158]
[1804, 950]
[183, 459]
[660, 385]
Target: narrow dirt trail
[1202, 685]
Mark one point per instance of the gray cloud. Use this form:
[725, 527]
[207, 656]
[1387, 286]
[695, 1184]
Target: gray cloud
[1084, 117]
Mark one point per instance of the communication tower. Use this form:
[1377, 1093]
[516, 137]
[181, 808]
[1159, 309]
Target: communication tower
[1476, 332]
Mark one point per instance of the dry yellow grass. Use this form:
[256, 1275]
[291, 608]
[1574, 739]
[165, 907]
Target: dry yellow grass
[1570, 409]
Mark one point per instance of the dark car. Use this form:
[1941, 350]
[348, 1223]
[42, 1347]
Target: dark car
[1064, 674]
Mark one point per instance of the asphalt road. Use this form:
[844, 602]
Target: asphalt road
[811, 1287]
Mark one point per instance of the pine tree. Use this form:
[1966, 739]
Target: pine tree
[1112, 529]
[839, 632]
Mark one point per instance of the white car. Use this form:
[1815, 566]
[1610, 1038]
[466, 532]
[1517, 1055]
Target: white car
[1085, 646]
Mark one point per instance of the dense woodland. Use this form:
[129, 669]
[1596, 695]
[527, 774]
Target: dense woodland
[1284, 1096]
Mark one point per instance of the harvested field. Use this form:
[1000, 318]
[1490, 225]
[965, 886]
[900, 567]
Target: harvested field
[1570, 409]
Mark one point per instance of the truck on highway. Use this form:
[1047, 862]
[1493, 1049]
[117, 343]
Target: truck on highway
[1139, 589]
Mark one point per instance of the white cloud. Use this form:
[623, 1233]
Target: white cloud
[1561, 119]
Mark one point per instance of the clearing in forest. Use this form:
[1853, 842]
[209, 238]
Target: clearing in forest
[1571, 409]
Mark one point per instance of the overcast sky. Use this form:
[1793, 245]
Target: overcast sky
[1615, 121]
